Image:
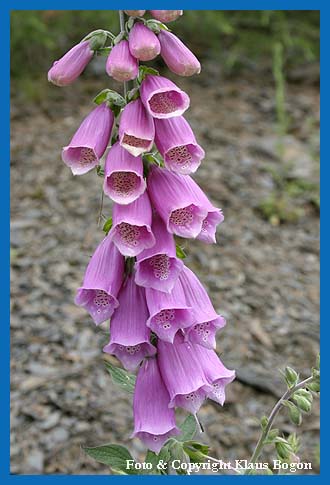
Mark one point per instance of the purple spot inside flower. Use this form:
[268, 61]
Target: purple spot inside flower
[180, 156]
[123, 184]
[133, 141]
[128, 234]
[98, 303]
[166, 102]
[192, 401]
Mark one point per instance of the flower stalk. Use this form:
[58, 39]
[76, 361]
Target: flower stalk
[122, 31]
[274, 412]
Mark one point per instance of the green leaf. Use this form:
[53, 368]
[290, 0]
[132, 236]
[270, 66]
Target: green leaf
[114, 456]
[188, 429]
[317, 364]
[294, 413]
[104, 51]
[305, 394]
[99, 171]
[152, 458]
[144, 71]
[302, 403]
[156, 25]
[314, 386]
[107, 226]
[121, 36]
[124, 379]
[133, 94]
[263, 422]
[130, 23]
[283, 448]
[196, 451]
[272, 435]
[154, 158]
[294, 442]
[180, 253]
[178, 453]
[98, 40]
[114, 99]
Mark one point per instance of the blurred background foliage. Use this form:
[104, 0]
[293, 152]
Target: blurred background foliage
[274, 47]
[236, 38]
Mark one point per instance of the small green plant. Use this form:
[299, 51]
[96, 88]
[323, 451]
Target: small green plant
[188, 454]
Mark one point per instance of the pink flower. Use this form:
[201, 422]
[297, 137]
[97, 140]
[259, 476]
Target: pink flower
[162, 98]
[207, 321]
[183, 376]
[136, 128]
[177, 144]
[180, 210]
[158, 267]
[131, 231]
[215, 373]
[121, 65]
[99, 291]
[169, 312]
[213, 216]
[166, 15]
[123, 181]
[143, 43]
[67, 69]
[135, 13]
[154, 422]
[90, 141]
[129, 335]
[177, 56]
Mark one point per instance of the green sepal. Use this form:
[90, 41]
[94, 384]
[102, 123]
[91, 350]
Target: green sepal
[144, 71]
[180, 252]
[107, 226]
[156, 26]
[122, 378]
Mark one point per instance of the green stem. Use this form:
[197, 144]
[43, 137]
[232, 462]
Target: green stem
[122, 29]
[287, 395]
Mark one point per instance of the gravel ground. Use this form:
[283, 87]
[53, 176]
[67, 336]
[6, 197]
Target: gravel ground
[263, 276]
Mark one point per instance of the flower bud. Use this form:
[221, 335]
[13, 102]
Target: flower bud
[67, 69]
[294, 413]
[121, 65]
[291, 376]
[135, 13]
[177, 56]
[283, 448]
[166, 15]
[302, 403]
[143, 43]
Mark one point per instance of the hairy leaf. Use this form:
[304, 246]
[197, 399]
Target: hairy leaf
[123, 379]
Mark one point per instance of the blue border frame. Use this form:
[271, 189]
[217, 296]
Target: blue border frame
[5, 8]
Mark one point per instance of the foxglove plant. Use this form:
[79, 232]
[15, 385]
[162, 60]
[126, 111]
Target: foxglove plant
[162, 322]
